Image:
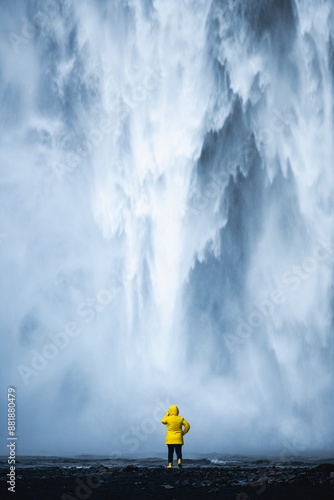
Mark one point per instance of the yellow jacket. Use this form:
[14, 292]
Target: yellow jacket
[174, 426]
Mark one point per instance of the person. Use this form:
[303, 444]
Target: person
[175, 433]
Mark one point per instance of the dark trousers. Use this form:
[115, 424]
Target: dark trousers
[178, 451]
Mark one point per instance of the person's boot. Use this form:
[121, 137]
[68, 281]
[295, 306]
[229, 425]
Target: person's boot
[170, 465]
[179, 464]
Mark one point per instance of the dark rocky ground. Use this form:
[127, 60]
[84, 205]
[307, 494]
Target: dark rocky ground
[237, 483]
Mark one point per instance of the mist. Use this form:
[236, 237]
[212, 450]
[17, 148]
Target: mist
[166, 231]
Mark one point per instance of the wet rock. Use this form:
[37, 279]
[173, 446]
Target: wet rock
[131, 468]
[243, 483]
[262, 479]
[221, 480]
[304, 479]
[326, 468]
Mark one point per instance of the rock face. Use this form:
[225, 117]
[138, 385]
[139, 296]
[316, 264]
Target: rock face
[238, 483]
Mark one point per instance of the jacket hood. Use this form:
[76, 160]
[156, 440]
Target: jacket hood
[173, 410]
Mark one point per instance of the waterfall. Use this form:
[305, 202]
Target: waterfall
[167, 216]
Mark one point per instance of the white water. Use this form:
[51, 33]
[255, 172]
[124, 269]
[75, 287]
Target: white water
[121, 123]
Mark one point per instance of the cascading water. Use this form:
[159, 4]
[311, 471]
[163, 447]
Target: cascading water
[167, 184]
